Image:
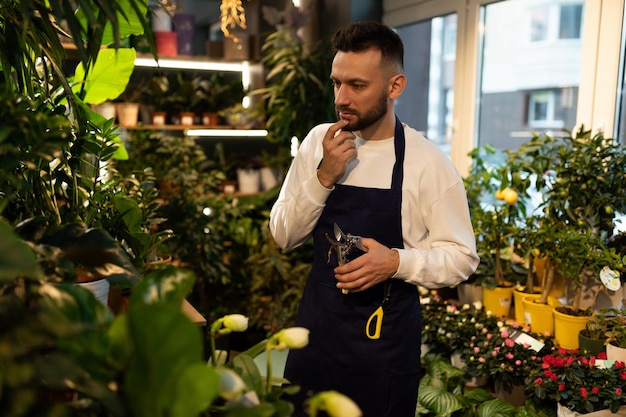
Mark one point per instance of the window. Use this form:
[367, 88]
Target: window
[525, 88]
[510, 50]
[429, 58]
[542, 110]
[539, 24]
[571, 17]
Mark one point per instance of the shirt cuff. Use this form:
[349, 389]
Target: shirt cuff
[316, 191]
[403, 271]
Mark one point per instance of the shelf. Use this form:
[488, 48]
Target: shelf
[204, 131]
[191, 63]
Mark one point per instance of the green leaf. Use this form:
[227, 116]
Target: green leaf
[495, 408]
[108, 77]
[166, 285]
[440, 401]
[16, 257]
[166, 345]
[195, 390]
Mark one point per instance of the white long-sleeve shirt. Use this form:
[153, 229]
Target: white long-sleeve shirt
[439, 246]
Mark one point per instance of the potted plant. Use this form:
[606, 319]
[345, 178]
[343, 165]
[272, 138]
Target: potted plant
[579, 385]
[441, 393]
[216, 94]
[593, 338]
[575, 175]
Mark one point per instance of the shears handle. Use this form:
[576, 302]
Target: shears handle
[377, 316]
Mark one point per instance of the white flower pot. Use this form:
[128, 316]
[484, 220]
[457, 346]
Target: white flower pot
[99, 288]
[615, 353]
[562, 411]
[249, 180]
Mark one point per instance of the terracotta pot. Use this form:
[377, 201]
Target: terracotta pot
[127, 114]
[158, 118]
[186, 118]
[210, 119]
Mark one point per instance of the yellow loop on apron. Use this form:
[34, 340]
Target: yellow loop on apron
[378, 315]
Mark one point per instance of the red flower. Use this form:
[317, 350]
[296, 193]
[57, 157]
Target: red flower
[561, 387]
[602, 356]
[618, 391]
[595, 390]
[620, 365]
[538, 381]
[583, 392]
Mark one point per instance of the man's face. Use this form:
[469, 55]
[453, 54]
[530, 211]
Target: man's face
[361, 88]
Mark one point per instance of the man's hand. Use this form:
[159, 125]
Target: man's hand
[377, 265]
[339, 148]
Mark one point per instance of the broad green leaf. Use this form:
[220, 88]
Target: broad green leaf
[166, 344]
[438, 400]
[108, 77]
[128, 24]
[16, 257]
[166, 285]
[495, 408]
[195, 390]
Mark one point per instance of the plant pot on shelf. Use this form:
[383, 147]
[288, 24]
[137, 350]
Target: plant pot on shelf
[127, 114]
[210, 119]
[106, 109]
[249, 180]
[498, 300]
[518, 302]
[538, 315]
[186, 118]
[158, 118]
[567, 327]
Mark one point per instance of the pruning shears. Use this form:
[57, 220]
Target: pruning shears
[343, 243]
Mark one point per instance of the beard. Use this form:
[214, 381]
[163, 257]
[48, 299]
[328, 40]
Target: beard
[371, 115]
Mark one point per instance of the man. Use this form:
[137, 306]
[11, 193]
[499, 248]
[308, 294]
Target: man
[379, 179]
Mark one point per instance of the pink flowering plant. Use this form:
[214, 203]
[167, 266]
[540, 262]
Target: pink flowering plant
[582, 383]
[446, 326]
[503, 355]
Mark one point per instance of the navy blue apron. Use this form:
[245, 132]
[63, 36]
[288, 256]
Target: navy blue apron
[380, 375]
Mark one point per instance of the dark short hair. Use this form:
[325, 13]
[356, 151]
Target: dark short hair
[363, 36]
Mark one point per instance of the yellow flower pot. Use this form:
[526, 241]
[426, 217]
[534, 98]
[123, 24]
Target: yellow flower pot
[538, 316]
[566, 328]
[498, 300]
[518, 303]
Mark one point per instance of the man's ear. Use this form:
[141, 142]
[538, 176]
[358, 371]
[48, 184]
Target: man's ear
[396, 86]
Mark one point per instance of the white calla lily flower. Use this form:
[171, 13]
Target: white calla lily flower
[235, 322]
[293, 338]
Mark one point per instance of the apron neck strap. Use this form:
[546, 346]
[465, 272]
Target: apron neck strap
[398, 167]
